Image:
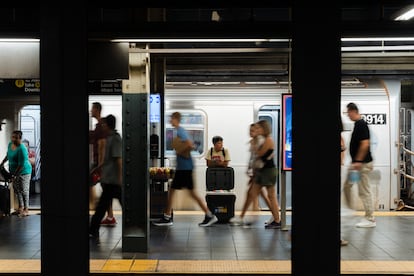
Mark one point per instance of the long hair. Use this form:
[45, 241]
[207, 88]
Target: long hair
[265, 126]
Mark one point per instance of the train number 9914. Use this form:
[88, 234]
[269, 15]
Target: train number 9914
[375, 118]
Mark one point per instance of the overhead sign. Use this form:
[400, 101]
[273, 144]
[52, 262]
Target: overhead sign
[32, 86]
[105, 87]
[19, 86]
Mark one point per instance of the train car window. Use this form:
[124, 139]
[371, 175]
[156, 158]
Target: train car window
[111, 104]
[270, 113]
[408, 121]
[403, 114]
[194, 121]
[30, 125]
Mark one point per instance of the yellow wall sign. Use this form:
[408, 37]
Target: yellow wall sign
[19, 83]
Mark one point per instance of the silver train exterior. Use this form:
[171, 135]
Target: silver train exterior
[228, 110]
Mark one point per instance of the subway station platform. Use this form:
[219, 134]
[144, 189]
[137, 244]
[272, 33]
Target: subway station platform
[187, 249]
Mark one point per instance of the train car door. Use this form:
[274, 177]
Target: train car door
[30, 126]
[271, 113]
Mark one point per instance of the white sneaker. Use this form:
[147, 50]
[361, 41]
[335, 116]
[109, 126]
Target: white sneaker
[236, 221]
[366, 223]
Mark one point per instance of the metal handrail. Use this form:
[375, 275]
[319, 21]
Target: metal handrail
[407, 150]
[406, 175]
[402, 171]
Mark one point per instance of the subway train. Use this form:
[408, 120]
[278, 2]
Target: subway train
[228, 110]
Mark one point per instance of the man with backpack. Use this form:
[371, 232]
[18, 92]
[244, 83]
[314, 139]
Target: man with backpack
[217, 156]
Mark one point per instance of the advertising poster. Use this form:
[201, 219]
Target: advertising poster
[287, 132]
[155, 108]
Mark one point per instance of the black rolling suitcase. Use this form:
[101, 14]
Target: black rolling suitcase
[219, 197]
[219, 179]
[4, 199]
[221, 204]
[5, 177]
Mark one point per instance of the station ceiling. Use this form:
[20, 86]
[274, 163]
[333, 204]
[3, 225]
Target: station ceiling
[250, 61]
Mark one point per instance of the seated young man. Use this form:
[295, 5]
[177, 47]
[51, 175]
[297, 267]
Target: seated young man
[218, 156]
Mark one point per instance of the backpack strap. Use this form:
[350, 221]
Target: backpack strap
[222, 150]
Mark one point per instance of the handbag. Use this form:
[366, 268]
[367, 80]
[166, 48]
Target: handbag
[94, 178]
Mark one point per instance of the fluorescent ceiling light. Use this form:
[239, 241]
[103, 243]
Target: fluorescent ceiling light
[377, 48]
[407, 15]
[209, 83]
[351, 81]
[356, 39]
[261, 82]
[168, 40]
[19, 40]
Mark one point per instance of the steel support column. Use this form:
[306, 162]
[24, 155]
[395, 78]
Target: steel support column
[135, 231]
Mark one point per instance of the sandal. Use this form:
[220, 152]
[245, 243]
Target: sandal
[23, 214]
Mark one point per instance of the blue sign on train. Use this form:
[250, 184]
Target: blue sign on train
[287, 131]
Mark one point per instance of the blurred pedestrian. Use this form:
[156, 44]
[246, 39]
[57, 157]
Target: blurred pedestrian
[362, 165]
[264, 175]
[111, 174]
[21, 170]
[183, 177]
[97, 138]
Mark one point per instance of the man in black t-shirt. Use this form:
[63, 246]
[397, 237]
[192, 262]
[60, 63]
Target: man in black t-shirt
[362, 162]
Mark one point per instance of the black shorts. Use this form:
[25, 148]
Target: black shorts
[183, 179]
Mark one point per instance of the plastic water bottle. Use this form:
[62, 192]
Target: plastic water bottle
[354, 176]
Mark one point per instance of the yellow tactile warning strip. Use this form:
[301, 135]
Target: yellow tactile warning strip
[20, 266]
[211, 266]
[144, 266]
[117, 265]
[218, 266]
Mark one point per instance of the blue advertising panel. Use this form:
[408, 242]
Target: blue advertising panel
[155, 108]
[287, 131]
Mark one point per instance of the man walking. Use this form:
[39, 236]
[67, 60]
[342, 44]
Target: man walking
[111, 177]
[183, 177]
[362, 162]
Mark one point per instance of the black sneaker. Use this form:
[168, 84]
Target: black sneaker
[208, 221]
[94, 236]
[164, 221]
[273, 225]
